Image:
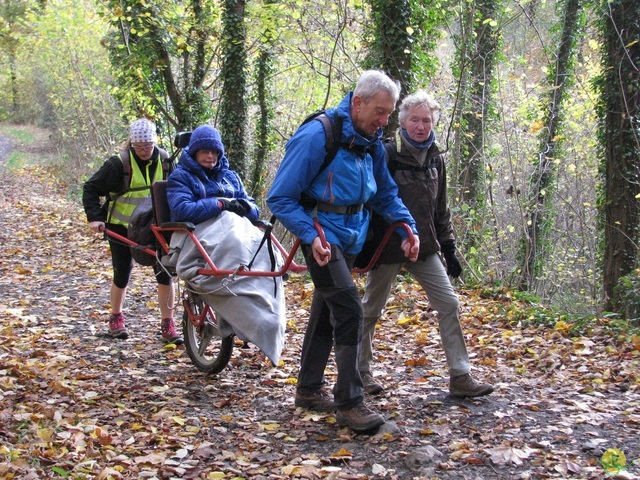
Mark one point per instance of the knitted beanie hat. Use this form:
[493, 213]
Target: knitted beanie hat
[143, 131]
[205, 138]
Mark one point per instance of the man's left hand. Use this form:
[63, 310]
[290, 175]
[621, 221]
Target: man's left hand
[411, 249]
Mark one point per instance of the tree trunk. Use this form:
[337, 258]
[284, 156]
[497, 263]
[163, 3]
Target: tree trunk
[233, 109]
[13, 78]
[390, 50]
[479, 42]
[543, 177]
[620, 111]
[264, 143]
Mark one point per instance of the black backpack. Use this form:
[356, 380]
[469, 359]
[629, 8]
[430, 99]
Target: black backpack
[139, 231]
[333, 143]
[332, 134]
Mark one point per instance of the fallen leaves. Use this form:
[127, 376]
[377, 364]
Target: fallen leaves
[509, 454]
[75, 403]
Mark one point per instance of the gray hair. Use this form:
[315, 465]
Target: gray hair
[371, 82]
[419, 99]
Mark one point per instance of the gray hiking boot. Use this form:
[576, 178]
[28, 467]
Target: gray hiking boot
[319, 401]
[359, 419]
[371, 387]
[466, 386]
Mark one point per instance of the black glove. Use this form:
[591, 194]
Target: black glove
[453, 264]
[234, 206]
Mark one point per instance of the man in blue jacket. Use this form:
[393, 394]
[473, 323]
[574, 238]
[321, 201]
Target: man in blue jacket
[303, 192]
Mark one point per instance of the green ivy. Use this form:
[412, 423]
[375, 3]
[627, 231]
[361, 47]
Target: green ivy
[628, 294]
[233, 108]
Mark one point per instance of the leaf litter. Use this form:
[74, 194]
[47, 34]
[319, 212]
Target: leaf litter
[77, 404]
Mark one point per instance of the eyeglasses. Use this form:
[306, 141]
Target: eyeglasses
[143, 146]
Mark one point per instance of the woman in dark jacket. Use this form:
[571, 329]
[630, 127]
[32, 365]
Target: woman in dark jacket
[419, 171]
[203, 185]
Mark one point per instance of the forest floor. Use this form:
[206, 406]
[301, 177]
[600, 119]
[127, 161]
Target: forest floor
[77, 404]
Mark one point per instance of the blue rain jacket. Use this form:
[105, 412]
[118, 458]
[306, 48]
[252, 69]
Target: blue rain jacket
[350, 179]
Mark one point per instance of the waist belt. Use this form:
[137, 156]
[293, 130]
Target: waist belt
[341, 209]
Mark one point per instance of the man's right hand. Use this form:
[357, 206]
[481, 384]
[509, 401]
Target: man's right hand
[320, 253]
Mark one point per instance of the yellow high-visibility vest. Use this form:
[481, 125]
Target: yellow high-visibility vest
[124, 204]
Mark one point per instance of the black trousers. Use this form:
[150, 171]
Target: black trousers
[335, 319]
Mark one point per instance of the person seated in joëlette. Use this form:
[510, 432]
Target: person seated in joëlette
[203, 185]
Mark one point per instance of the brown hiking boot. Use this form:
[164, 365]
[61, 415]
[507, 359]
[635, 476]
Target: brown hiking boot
[466, 386]
[319, 401]
[359, 419]
[370, 385]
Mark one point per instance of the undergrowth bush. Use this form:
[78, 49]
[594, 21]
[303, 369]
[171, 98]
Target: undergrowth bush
[524, 309]
[628, 294]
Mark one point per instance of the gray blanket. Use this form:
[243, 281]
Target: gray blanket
[251, 307]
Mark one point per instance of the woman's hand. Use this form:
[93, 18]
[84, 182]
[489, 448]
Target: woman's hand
[96, 226]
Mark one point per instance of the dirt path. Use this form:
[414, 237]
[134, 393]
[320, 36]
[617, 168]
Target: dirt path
[76, 403]
[6, 146]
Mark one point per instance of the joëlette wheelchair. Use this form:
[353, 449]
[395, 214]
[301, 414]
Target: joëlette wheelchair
[207, 348]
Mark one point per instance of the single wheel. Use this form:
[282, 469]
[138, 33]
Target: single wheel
[207, 349]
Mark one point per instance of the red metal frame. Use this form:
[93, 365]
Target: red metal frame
[289, 263]
[198, 320]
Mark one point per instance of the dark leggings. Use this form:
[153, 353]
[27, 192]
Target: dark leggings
[122, 260]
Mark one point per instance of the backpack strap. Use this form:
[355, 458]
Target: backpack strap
[332, 135]
[167, 167]
[393, 147]
[333, 143]
[126, 167]
[168, 163]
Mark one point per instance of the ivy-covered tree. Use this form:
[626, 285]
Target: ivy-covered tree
[403, 35]
[619, 115]
[477, 50]
[541, 184]
[162, 53]
[233, 107]
[263, 97]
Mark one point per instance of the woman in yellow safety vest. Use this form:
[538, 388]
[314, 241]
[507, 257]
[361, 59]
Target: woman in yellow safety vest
[114, 213]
